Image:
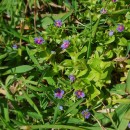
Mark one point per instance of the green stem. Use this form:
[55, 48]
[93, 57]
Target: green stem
[48, 126]
[90, 38]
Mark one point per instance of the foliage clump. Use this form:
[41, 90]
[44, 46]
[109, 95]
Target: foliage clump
[64, 64]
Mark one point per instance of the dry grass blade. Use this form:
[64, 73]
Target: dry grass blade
[2, 91]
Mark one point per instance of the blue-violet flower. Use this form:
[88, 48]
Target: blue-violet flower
[114, 0]
[59, 93]
[39, 40]
[86, 114]
[120, 28]
[72, 78]
[111, 33]
[61, 108]
[79, 94]
[65, 44]
[129, 125]
[14, 46]
[103, 11]
[58, 23]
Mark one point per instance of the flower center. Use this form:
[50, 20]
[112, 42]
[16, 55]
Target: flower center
[66, 44]
[86, 113]
[58, 23]
[79, 93]
[39, 40]
[120, 27]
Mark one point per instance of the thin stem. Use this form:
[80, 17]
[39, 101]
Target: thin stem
[98, 122]
[35, 11]
[109, 115]
[90, 38]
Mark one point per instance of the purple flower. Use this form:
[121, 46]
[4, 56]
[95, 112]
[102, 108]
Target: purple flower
[72, 78]
[14, 46]
[120, 28]
[86, 114]
[59, 93]
[39, 40]
[114, 0]
[79, 94]
[65, 44]
[61, 108]
[58, 23]
[111, 33]
[129, 125]
[103, 11]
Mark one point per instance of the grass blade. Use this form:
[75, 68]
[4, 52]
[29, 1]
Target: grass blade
[128, 83]
[48, 126]
[29, 100]
[33, 59]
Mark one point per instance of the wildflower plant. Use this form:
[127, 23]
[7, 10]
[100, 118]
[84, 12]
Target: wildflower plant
[128, 125]
[79, 94]
[84, 64]
[103, 11]
[120, 28]
[59, 93]
[86, 114]
[14, 46]
[72, 78]
[58, 23]
[39, 40]
[111, 33]
[65, 44]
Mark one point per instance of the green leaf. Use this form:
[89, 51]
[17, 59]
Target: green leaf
[67, 4]
[4, 67]
[37, 89]
[48, 126]
[34, 115]
[55, 113]
[75, 6]
[95, 64]
[123, 124]
[50, 81]
[120, 112]
[112, 39]
[109, 54]
[127, 115]
[94, 92]
[47, 21]
[3, 56]
[4, 122]
[71, 108]
[33, 58]
[94, 28]
[18, 123]
[119, 89]
[123, 42]
[67, 63]
[19, 69]
[123, 11]
[128, 48]
[6, 113]
[66, 15]
[81, 73]
[76, 121]
[16, 34]
[84, 49]
[29, 100]
[128, 83]
[127, 15]
[124, 101]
